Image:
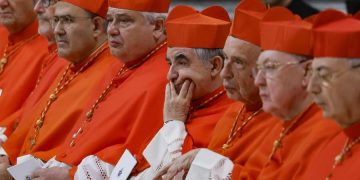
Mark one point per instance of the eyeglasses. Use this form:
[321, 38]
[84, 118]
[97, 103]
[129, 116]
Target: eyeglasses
[66, 20]
[45, 3]
[325, 77]
[270, 69]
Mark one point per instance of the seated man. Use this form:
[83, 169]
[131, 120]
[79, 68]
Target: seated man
[335, 84]
[44, 128]
[51, 67]
[243, 127]
[194, 98]
[127, 105]
[22, 54]
[281, 76]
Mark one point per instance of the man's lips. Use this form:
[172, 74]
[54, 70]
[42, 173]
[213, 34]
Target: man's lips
[114, 43]
[5, 13]
[230, 88]
[263, 95]
[61, 42]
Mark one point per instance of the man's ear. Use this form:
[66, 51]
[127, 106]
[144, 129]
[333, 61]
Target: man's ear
[307, 73]
[159, 28]
[99, 26]
[217, 64]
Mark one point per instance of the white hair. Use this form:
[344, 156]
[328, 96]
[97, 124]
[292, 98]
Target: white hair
[205, 54]
[151, 17]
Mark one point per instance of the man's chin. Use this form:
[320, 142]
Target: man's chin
[233, 96]
[7, 22]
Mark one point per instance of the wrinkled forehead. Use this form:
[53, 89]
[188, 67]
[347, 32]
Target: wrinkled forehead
[234, 45]
[276, 56]
[64, 9]
[117, 11]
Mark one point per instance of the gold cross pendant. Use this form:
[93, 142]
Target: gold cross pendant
[3, 62]
[225, 146]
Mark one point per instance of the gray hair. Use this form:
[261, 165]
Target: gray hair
[151, 16]
[205, 54]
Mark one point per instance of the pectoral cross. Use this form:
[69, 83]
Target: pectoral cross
[3, 62]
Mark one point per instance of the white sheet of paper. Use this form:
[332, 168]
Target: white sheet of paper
[23, 171]
[124, 166]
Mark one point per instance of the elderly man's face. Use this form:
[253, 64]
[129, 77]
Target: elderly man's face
[280, 80]
[335, 86]
[74, 32]
[240, 59]
[45, 12]
[16, 14]
[130, 35]
[186, 65]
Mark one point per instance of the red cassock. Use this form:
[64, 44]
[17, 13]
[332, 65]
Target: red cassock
[199, 128]
[26, 52]
[348, 168]
[298, 147]
[246, 141]
[130, 113]
[65, 109]
[51, 67]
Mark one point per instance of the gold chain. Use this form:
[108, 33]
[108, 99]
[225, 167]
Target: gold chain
[193, 109]
[108, 89]
[60, 86]
[340, 157]
[239, 129]
[278, 142]
[285, 131]
[207, 101]
[52, 55]
[5, 59]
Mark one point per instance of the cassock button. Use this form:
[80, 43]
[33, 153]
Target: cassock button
[63, 155]
[72, 144]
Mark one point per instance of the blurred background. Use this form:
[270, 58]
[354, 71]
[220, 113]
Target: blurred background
[350, 6]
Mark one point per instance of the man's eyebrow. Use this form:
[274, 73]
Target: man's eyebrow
[180, 56]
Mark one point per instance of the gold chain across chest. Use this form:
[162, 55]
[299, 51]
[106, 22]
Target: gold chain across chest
[340, 157]
[5, 58]
[108, 89]
[233, 133]
[63, 82]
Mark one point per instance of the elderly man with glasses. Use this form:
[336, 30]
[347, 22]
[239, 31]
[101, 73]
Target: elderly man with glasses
[281, 76]
[335, 84]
